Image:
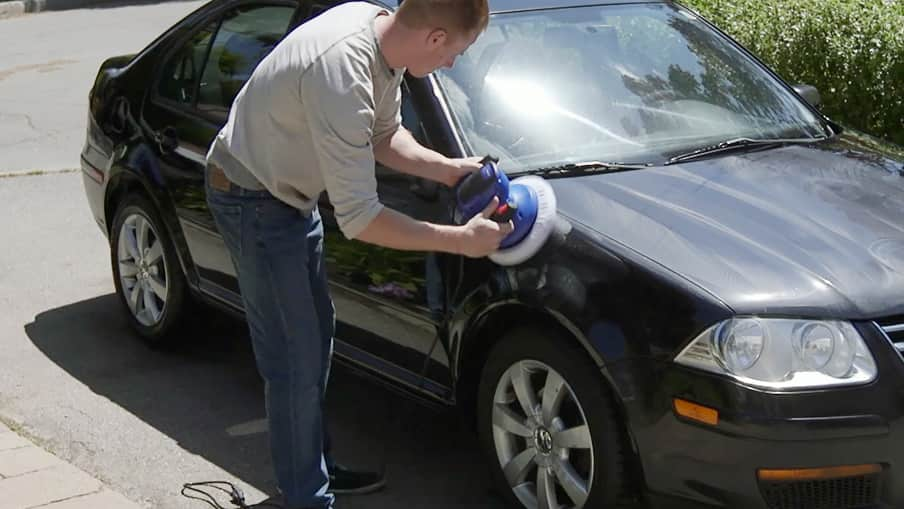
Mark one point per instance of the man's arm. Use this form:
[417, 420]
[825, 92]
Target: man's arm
[395, 230]
[403, 153]
[479, 237]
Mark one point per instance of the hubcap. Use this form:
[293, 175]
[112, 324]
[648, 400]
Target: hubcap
[142, 270]
[542, 438]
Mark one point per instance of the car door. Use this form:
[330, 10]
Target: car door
[390, 303]
[189, 102]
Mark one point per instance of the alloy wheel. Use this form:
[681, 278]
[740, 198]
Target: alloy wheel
[142, 269]
[542, 437]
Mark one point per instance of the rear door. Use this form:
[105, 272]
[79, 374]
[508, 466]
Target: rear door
[188, 103]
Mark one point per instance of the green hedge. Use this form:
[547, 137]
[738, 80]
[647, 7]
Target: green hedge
[851, 50]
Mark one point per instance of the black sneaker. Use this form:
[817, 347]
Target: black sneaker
[348, 482]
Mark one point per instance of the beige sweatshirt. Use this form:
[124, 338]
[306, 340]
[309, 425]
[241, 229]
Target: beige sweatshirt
[308, 118]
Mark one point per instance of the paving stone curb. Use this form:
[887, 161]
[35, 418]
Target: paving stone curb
[32, 478]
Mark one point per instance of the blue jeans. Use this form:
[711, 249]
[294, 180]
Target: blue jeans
[277, 251]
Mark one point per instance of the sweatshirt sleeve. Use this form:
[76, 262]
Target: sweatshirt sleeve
[389, 116]
[337, 98]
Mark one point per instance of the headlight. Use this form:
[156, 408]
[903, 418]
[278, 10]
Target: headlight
[783, 354]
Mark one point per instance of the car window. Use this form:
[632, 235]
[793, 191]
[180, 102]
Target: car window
[184, 66]
[411, 120]
[246, 36]
[317, 10]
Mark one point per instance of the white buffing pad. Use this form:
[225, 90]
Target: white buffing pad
[539, 233]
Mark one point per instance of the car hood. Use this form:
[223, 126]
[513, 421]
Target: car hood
[815, 230]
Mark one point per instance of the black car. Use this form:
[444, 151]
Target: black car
[716, 321]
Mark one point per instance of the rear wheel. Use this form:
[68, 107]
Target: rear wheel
[547, 425]
[146, 271]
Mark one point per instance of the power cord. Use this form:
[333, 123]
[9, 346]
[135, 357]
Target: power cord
[237, 497]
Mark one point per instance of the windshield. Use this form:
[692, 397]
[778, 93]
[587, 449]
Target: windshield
[634, 83]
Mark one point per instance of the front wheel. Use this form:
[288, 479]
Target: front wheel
[547, 425]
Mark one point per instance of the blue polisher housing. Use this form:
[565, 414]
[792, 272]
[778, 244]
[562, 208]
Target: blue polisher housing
[478, 189]
[525, 200]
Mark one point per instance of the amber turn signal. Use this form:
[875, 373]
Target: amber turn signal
[812, 474]
[696, 412]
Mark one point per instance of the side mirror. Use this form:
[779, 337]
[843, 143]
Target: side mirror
[809, 93]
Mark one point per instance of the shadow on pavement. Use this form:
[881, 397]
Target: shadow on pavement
[207, 396]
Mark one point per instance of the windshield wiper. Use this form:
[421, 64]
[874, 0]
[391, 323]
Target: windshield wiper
[736, 144]
[582, 167]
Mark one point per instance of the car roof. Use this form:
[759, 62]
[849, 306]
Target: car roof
[497, 6]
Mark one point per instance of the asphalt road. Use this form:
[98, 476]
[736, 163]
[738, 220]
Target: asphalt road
[76, 380]
[48, 62]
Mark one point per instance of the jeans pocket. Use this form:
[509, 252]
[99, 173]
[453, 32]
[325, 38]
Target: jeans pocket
[228, 218]
[278, 220]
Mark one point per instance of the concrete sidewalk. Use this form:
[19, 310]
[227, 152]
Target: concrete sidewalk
[32, 477]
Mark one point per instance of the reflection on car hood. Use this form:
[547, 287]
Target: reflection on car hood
[808, 230]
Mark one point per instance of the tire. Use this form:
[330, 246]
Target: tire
[149, 281]
[534, 448]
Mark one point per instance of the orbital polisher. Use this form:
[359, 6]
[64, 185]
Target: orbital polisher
[528, 201]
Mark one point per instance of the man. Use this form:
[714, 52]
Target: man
[315, 115]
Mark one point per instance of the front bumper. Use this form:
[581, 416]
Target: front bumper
[690, 464]
[720, 470]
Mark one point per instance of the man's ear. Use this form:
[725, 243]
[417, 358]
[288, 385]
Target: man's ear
[437, 38]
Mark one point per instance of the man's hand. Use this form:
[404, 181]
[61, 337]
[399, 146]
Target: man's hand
[481, 235]
[457, 169]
